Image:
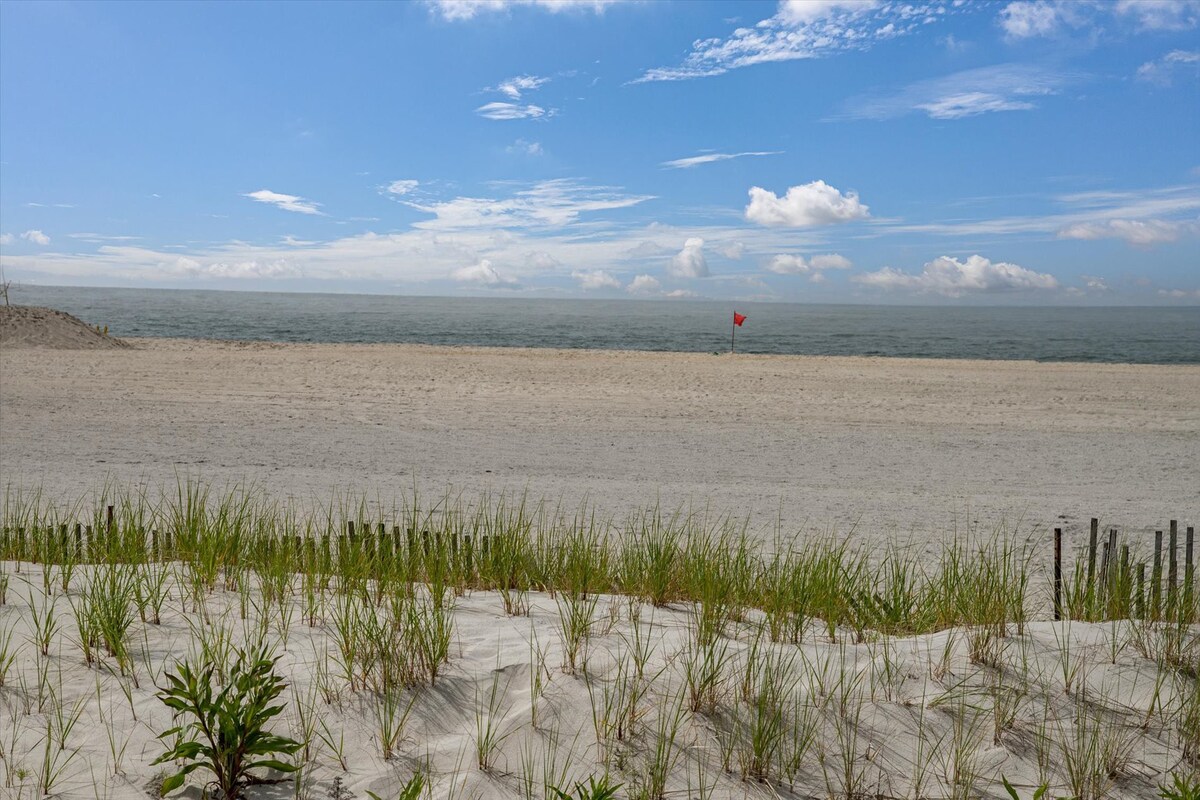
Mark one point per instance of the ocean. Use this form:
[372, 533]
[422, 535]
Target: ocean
[1147, 335]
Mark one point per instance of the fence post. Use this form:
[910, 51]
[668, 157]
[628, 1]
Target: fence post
[1057, 573]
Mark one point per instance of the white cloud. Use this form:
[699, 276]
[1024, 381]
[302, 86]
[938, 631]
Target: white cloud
[680, 294]
[459, 10]
[970, 104]
[644, 284]
[690, 261]
[815, 203]
[36, 236]
[6, 238]
[402, 186]
[786, 264]
[288, 202]
[596, 279]
[1162, 71]
[524, 148]
[831, 261]
[552, 203]
[1179, 294]
[709, 158]
[800, 29]
[1003, 87]
[733, 251]
[510, 111]
[1024, 19]
[1160, 15]
[482, 273]
[953, 278]
[1082, 208]
[515, 87]
[1134, 231]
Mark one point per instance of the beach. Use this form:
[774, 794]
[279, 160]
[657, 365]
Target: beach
[895, 446]
[707, 654]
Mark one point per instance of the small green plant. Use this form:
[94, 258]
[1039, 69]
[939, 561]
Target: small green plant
[592, 790]
[227, 732]
[409, 791]
[1011, 790]
[1183, 787]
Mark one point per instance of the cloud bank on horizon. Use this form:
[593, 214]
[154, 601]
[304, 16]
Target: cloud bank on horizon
[942, 151]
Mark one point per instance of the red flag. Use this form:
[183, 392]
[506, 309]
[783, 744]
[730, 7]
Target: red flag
[738, 319]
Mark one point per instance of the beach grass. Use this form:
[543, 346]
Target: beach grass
[499, 647]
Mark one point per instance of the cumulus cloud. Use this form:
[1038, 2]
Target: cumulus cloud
[288, 202]
[1026, 19]
[482, 273]
[1002, 87]
[6, 238]
[460, 10]
[644, 284]
[402, 187]
[591, 279]
[499, 110]
[787, 264]
[809, 204]
[800, 29]
[709, 158]
[1162, 71]
[1134, 231]
[36, 236]
[689, 262]
[953, 278]
[515, 87]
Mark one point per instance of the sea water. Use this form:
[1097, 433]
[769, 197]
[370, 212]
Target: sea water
[1150, 335]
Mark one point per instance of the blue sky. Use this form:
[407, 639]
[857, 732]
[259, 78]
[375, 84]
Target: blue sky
[820, 151]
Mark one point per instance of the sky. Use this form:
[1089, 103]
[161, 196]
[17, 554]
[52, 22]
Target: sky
[1025, 152]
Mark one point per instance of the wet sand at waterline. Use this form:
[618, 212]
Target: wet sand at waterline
[887, 445]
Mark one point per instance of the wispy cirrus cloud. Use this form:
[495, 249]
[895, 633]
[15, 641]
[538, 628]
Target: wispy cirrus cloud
[461, 10]
[514, 87]
[801, 29]
[287, 202]
[953, 278]
[1096, 208]
[1134, 231]
[1003, 87]
[710, 158]
[1162, 71]
[552, 203]
[499, 110]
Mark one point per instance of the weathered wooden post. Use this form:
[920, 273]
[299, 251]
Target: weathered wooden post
[1091, 569]
[1058, 573]
[1172, 567]
[1156, 577]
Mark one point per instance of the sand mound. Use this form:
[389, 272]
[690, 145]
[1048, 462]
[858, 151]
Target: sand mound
[33, 326]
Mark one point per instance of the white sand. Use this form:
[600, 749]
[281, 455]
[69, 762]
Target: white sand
[896, 711]
[887, 444]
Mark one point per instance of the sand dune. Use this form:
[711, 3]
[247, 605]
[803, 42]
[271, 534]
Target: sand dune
[37, 327]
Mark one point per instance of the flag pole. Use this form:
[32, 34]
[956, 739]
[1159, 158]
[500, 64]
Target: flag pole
[732, 336]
